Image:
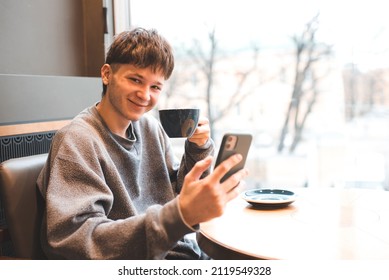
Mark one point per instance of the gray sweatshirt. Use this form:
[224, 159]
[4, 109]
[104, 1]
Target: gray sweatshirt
[108, 197]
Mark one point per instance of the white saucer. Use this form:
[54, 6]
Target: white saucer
[269, 198]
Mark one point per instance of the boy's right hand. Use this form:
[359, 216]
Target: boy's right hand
[201, 200]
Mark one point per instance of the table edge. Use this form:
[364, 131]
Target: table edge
[219, 251]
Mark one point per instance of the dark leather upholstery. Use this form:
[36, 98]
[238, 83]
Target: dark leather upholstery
[23, 204]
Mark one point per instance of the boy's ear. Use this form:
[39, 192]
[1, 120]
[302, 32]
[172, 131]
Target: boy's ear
[106, 73]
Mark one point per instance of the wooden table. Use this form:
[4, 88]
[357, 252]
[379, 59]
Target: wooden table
[322, 224]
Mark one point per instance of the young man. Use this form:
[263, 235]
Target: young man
[112, 186]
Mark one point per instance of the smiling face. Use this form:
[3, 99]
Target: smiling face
[131, 92]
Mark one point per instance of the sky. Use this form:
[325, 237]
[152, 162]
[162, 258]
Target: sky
[358, 29]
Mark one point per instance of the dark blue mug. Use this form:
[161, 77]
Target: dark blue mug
[179, 122]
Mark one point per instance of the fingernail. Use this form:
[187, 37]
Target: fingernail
[208, 158]
[238, 156]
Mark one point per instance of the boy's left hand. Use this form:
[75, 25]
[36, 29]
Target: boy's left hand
[202, 132]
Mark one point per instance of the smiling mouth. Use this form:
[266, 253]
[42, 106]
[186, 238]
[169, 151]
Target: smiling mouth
[138, 104]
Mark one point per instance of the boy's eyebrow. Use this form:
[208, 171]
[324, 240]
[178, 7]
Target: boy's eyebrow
[142, 77]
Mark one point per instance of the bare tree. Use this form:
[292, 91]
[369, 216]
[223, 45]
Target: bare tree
[305, 87]
[207, 60]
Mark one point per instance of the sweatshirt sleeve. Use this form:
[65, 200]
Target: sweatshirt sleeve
[193, 154]
[78, 224]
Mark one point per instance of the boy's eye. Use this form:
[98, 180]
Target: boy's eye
[135, 80]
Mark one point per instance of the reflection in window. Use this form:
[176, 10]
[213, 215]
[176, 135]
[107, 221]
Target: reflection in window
[310, 81]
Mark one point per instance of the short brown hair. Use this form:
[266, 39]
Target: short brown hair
[142, 48]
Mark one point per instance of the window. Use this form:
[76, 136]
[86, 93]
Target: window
[309, 80]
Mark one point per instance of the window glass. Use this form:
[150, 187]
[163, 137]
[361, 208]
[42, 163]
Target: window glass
[308, 79]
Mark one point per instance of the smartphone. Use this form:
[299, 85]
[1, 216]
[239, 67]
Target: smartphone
[234, 143]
